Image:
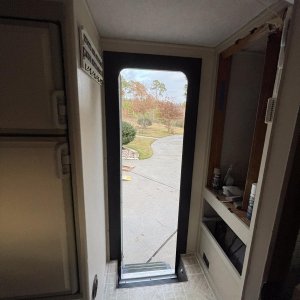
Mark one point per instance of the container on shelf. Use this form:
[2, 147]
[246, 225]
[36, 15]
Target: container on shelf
[216, 181]
[251, 201]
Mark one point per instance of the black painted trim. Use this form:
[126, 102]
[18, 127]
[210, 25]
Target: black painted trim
[114, 62]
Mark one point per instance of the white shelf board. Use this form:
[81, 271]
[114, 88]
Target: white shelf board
[234, 222]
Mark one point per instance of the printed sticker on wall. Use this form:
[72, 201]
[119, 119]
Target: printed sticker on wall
[90, 60]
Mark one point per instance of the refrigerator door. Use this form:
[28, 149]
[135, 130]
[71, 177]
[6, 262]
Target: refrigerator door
[37, 248]
[31, 77]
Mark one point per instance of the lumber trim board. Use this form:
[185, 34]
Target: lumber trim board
[269, 74]
[219, 115]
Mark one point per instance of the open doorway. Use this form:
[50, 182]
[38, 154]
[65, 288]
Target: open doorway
[151, 113]
[153, 106]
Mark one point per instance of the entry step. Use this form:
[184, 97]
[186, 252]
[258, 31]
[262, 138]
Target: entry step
[144, 267]
[146, 271]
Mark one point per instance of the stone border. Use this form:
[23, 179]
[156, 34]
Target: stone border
[129, 154]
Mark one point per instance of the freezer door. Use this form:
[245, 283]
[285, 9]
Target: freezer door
[37, 248]
[31, 77]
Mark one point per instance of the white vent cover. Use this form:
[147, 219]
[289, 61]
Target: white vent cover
[270, 110]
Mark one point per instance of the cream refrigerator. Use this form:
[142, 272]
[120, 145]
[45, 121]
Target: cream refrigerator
[37, 232]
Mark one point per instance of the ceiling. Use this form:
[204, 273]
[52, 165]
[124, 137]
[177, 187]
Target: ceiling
[188, 22]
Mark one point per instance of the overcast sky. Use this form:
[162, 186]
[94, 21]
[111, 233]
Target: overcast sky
[174, 81]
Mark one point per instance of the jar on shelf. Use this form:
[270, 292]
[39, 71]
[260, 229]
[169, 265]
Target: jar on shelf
[216, 181]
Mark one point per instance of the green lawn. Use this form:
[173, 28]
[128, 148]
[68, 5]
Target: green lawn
[142, 146]
[158, 131]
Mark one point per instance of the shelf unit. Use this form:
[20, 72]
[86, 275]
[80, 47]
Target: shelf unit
[238, 132]
[249, 133]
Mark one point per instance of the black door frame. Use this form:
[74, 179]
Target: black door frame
[114, 63]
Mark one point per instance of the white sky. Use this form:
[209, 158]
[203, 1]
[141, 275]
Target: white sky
[174, 81]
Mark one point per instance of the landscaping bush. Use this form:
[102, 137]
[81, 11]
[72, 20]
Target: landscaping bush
[128, 133]
[144, 122]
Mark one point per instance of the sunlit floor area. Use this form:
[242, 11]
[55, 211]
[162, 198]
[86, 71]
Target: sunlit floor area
[197, 286]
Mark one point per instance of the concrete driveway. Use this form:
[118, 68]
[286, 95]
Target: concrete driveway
[150, 203]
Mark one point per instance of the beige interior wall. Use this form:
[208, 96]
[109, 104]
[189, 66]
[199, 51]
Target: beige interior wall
[91, 132]
[204, 112]
[243, 95]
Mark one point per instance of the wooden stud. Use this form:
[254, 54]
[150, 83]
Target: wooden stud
[219, 116]
[269, 74]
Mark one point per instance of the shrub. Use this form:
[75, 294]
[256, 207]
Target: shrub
[128, 133]
[144, 122]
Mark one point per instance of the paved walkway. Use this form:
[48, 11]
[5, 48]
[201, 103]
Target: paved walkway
[150, 203]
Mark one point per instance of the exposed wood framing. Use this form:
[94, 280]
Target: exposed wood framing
[269, 74]
[253, 36]
[219, 115]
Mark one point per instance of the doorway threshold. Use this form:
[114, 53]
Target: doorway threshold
[133, 275]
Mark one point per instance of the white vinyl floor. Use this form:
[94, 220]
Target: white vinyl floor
[197, 286]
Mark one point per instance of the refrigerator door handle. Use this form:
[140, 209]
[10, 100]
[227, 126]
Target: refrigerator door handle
[63, 161]
[59, 109]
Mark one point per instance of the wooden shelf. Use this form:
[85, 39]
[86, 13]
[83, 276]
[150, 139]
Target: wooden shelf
[241, 214]
[234, 218]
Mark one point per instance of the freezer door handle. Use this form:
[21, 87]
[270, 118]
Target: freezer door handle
[63, 161]
[59, 109]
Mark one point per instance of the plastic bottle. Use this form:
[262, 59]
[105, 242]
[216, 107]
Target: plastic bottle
[251, 201]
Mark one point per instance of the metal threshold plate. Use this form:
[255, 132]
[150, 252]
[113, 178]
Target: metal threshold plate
[137, 273]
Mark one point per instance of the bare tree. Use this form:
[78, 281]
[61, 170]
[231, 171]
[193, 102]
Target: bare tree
[159, 88]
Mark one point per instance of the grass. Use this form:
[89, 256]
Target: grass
[158, 131]
[146, 136]
[142, 146]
